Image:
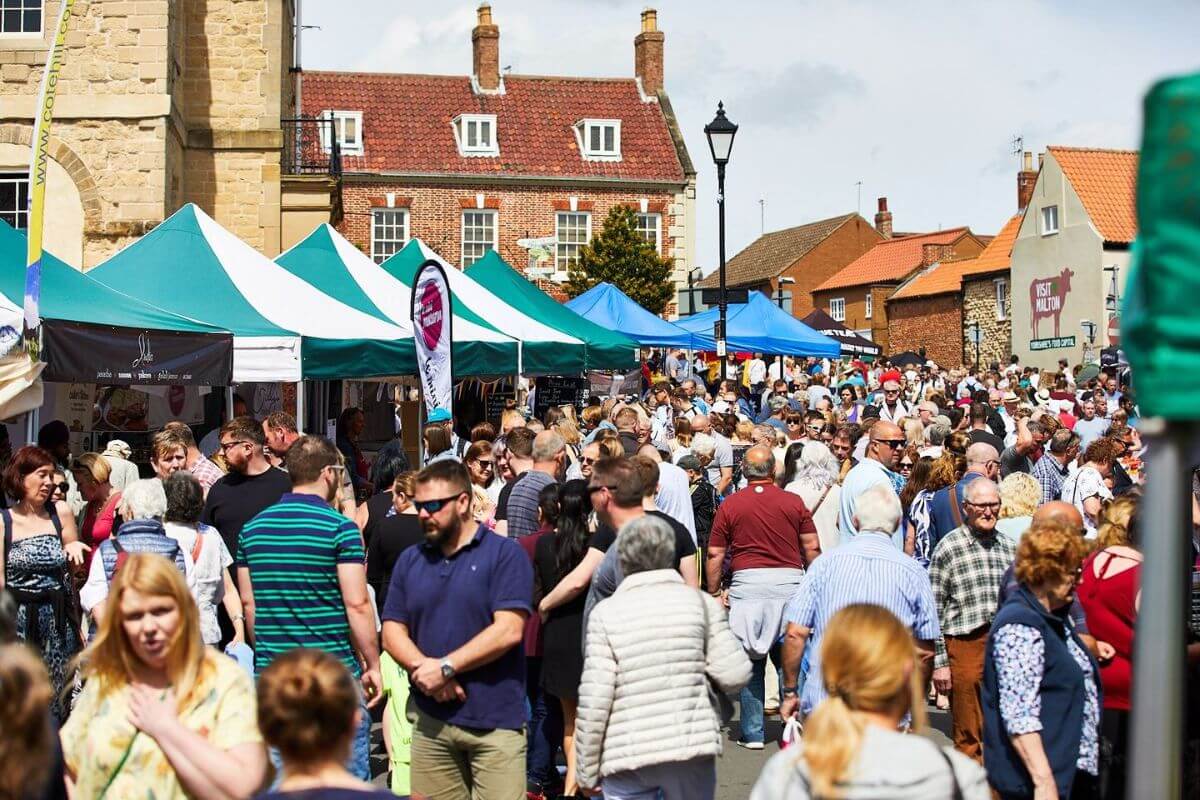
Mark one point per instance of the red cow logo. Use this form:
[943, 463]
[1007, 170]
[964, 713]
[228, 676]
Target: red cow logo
[1046, 298]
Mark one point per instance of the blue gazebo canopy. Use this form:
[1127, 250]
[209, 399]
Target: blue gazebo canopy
[759, 326]
[606, 305]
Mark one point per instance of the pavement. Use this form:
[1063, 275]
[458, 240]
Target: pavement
[737, 768]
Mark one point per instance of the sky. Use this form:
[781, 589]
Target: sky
[918, 101]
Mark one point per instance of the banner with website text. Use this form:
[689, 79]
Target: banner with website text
[431, 317]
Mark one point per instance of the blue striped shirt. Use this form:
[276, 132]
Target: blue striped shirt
[865, 569]
[293, 550]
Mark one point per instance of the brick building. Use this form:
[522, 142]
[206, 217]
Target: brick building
[160, 102]
[857, 295]
[807, 254]
[525, 165]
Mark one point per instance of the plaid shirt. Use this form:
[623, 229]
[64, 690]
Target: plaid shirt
[206, 472]
[1050, 474]
[966, 572]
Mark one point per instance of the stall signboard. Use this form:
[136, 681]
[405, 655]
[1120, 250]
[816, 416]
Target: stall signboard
[552, 390]
[1054, 343]
[620, 384]
[87, 407]
[105, 354]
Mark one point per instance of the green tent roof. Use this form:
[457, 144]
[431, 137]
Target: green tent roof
[605, 349]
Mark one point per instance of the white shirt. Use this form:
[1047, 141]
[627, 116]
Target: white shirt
[758, 371]
[674, 496]
[208, 572]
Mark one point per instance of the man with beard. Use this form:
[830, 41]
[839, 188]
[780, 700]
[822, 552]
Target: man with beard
[303, 579]
[250, 486]
[455, 621]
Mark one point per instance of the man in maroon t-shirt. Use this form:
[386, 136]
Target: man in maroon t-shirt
[771, 539]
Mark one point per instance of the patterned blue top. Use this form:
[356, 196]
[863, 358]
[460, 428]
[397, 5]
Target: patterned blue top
[1020, 657]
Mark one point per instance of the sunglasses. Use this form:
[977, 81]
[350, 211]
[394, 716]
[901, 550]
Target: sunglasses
[906, 465]
[892, 443]
[816, 428]
[593, 489]
[486, 464]
[793, 422]
[587, 461]
[434, 506]
[63, 487]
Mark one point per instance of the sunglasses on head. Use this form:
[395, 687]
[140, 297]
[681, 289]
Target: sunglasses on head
[434, 506]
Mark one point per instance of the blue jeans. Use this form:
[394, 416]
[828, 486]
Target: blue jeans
[754, 696]
[545, 728]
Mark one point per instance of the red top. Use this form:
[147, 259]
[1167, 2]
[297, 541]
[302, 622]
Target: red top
[1108, 602]
[533, 624]
[762, 526]
[98, 525]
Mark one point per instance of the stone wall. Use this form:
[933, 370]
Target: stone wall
[979, 305]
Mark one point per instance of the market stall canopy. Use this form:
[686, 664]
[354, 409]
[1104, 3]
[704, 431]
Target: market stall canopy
[759, 326]
[544, 350]
[851, 342]
[606, 349]
[191, 265]
[94, 334]
[333, 265]
[609, 307]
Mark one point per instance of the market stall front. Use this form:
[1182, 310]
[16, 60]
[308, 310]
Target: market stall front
[759, 326]
[851, 342]
[610, 308]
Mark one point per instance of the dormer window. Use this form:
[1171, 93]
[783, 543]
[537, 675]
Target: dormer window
[347, 128]
[599, 139]
[475, 135]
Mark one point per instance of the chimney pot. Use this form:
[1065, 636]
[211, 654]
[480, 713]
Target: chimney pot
[1026, 179]
[485, 50]
[1028, 160]
[648, 54]
[883, 219]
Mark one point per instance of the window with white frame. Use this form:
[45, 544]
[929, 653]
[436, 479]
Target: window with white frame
[478, 235]
[14, 199]
[347, 128]
[650, 227]
[1049, 220]
[1001, 299]
[389, 232]
[870, 306]
[21, 16]
[837, 308]
[475, 135]
[572, 230]
[599, 139]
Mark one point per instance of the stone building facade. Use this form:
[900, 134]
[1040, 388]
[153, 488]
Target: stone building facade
[160, 103]
[981, 305]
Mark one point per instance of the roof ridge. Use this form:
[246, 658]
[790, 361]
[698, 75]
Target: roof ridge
[1073, 149]
[509, 76]
[910, 237]
[808, 224]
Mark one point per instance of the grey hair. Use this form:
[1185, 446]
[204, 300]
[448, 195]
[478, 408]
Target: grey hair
[937, 433]
[704, 445]
[645, 543]
[818, 467]
[546, 445]
[144, 499]
[878, 509]
[1062, 440]
[976, 487]
[757, 471]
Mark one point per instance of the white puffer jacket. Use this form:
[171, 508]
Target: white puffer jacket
[643, 698]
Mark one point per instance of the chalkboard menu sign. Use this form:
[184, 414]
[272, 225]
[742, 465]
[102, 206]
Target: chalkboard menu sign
[558, 391]
[496, 403]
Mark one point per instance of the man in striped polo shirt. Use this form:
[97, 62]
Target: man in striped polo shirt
[302, 577]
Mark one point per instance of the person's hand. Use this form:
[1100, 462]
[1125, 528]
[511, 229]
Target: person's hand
[1105, 652]
[724, 598]
[372, 684]
[590, 791]
[238, 638]
[941, 680]
[75, 551]
[152, 711]
[428, 676]
[788, 707]
[451, 692]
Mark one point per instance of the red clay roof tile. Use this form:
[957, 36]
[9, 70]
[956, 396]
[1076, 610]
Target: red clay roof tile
[1105, 181]
[890, 260]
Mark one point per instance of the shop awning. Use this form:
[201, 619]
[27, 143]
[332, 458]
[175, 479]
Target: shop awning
[851, 342]
[334, 266]
[760, 326]
[284, 327]
[94, 334]
[609, 307]
[605, 349]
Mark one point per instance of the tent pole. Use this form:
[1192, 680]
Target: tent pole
[229, 402]
[31, 425]
[1159, 655]
[300, 407]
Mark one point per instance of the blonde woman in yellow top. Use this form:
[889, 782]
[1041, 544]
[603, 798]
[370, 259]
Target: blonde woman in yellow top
[161, 715]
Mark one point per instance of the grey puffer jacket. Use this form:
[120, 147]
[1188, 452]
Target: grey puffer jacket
[644, 698]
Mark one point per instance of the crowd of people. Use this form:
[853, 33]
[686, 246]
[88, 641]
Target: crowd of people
[596, 589]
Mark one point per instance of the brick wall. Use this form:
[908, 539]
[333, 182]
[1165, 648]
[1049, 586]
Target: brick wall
[856, 309]
[979, 305]
[934, 323]
[841, 247]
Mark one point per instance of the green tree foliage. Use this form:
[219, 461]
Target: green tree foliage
[621, 256]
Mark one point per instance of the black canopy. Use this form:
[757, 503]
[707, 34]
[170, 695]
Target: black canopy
[852, 344]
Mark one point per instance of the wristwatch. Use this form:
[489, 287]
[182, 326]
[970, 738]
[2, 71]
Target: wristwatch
[447, 669]
[788, 690]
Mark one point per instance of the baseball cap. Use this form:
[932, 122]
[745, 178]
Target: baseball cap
[439, 415]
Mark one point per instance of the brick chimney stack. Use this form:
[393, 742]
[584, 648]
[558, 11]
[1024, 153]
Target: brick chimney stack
[883, 219]
[485, 50]
[648, 54]
[1026, 179]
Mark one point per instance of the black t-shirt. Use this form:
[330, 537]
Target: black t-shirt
[604, 537]
[236, 499]
[502, 500]
[393, 535]
[987, 438]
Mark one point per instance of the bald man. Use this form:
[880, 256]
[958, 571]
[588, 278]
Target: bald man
[946, 510]
[877, 468]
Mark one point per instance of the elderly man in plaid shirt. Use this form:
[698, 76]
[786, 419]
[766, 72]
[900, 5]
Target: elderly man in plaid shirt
[1053, 467]
[967, 570]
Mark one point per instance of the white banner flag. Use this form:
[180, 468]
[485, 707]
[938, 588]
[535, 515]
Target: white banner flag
[431, 330]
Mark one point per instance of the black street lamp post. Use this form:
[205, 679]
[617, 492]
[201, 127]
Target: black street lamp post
[720, 133]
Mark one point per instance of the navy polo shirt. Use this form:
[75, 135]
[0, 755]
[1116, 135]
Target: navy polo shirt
[446, 602]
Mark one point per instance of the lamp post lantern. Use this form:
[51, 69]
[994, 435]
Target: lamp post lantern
[720, 133]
